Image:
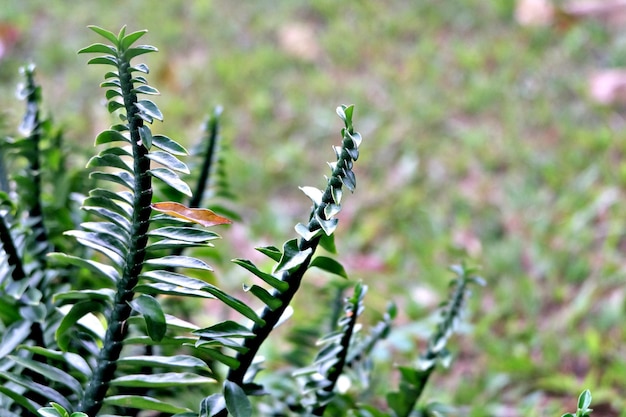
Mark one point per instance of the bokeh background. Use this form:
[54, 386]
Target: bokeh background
[493, 133]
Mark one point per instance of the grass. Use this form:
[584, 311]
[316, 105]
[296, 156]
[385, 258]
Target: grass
[479, 142]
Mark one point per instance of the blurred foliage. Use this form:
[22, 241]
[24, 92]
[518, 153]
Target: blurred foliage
[483, 144]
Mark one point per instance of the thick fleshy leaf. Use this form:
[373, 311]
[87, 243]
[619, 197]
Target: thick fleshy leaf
[97, 268]
[139, 50]
[329, 265]
[329, 225]
[13, 336]
[180, 262]
[146, 89]
[171, 178]
[271, 252]
[116, 206]
[121, 221]
[146, 136]
[160, 288]
[154, 361]
[122, 178]
[111, 136]
[107, 228]
[228, 329]
[165, 380]
[141, 68]
[51, 373]
[315, 194]
[153, 315]
[175, 244]
[148, 107]
[72, 359]
[131, 38]
[305, 233]
[105, 244]
[110, 36]
[328, 243]
[100, 295]
[98, 48]
[168, 145]
[237, 402]
[212, 405]
[292, 256]
[174, 278]
[141, 402]
[235, 304]
[268, 278]
[169, 161]
[65, 332]
[103, 60]
[268, 299]
[204, 217]
[190, 234]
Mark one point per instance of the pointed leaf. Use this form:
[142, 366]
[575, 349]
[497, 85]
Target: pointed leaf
[281, 286]
[165, 380]
[122, 178]
[72, 359]
[146, 89]
[139, 50]
[131, 38]
[141, 68]
[212, 405]
[315, 194]
[13, 336]
[237, 402]
[21, 400]
[171, 178]
[204, 217]
[160, 288]
[98, 48]
[65, 332]
[104, 33]
[111, 136]
[227, 329]
[154, 361]
[305, 233]
[148, 107]
[328, 243]
[97, 268]
[109, 160]
[268, 299]
[169, 277]
[51, 373]
[329, 265]
[168, 145]
[292, 256]
[142, 402]
[190, 234]
[103, 60]
[168, 161]
[153, 314]
[101, 295]
[146, 136]
[179, 261]
[271, 251]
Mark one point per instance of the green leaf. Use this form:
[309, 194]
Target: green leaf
[104, 33]
[101, 295]
[146, 136]
[72, 359]
[139, 50]
[43, 390]
[212, 405]
[176, 361]
[584, 400]
[171, 178]
[13, 336]
[131, 38]
[65, 332]
[292, 256]
[262, 294]
[111, 136]
[236, 304]
[153, 315]
[148, 107]
[315, 194]
[180, 261]
[216, 355]
[146, 89]
[168, 160]
[328, 243]
[237, 402]
[305, 233]
[97, 268]
[121, 221]
[169, 277]
[98, 48]
[271, 251]
[142, 402]
[109, 160]
[164, 380]
[51, 373]
[329, 265]
[281, 286]
[20, 399]
[228, 329]
[170, 289]
[189, 234]
[122, 178]
[141, 68]
[103, 60]
[168, 145]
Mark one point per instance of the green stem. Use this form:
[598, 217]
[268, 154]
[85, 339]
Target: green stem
[117, 321]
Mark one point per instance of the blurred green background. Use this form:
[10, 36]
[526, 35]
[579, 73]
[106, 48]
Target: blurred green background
[481, 142]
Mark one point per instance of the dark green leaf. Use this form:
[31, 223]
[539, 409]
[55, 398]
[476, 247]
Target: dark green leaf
[148, 107]
[142, 402]
[146, 136]
[175, 244]
[268, 278]
[180, 262]
[153, 315]
[292, 257]
[171, 178]
[72, 359]
[146, 89]
[122, 178]
[97, 268]
[121, 221]
[169, 161]
[170, 289]
[65, 333]
[111, 136]
[305, 233]
[105, 244]
[169, 277]
[329, 265]
[51, 373]
[212, 405]
[109, 161]
[41, 389]
[107, 228]
[262, 294]
[165, 380]
[237, 402]
[328, 243]
[141, 68]
[103, 60]
[176, 361]
[168, 145]
[13, 336]
[100, 295]
[20, 400]
[236, 304]
[190, 234]
[228, 329]
[584, 400]
[122, 196]
[112, 106]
